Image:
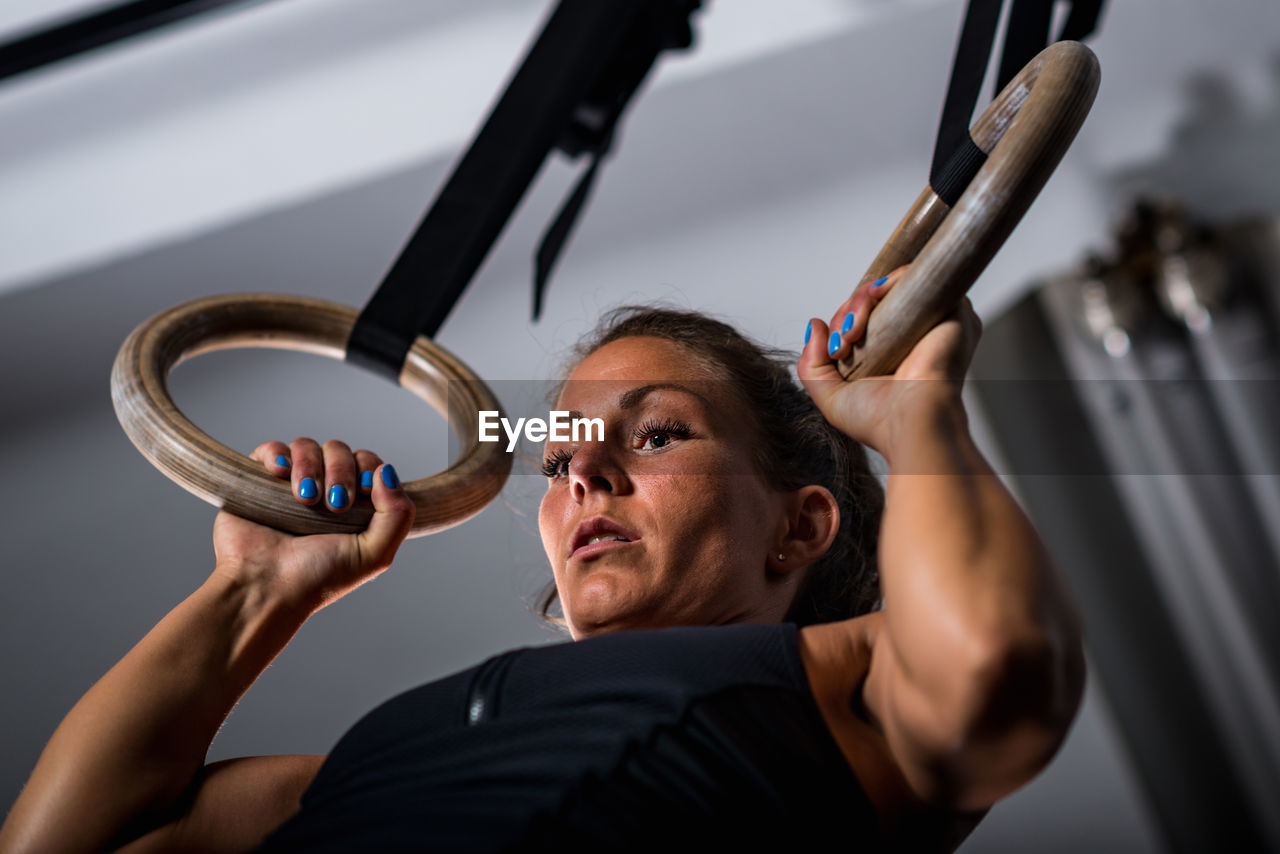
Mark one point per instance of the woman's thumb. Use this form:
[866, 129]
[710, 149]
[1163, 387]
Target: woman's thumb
[392, 519]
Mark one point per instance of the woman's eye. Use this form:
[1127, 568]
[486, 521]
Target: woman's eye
[557, 464]
[654, 436]
[657, 440]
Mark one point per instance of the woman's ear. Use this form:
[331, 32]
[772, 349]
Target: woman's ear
[813, 519]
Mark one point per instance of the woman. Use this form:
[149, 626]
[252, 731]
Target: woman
[707, 504]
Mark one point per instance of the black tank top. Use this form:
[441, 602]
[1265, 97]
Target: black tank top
[637, 740]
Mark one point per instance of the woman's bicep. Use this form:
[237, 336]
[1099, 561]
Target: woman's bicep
[236, 804]
[984, 741]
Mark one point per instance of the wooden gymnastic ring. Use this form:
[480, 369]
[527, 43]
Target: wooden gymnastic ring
[1024, 132]
[224, 478]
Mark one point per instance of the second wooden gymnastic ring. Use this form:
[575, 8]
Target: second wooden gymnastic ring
[1025, 132]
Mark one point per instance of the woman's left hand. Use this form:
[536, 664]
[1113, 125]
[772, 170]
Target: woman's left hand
[864, 409]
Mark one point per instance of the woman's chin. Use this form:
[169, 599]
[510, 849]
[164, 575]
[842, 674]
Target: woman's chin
[606, 602]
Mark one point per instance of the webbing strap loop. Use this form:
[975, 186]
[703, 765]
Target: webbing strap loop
[956, 157]
[569, 91]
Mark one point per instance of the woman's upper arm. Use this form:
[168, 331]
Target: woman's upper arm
[236, 804]
[992, 736]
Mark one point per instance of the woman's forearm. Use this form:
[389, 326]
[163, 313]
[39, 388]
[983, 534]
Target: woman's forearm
[127, 751]
[975, 611]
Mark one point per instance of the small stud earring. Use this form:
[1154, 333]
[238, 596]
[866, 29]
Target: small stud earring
[781, 556]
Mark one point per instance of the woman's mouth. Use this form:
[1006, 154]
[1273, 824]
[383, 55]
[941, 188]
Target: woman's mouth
[600, 544]
[600, 534]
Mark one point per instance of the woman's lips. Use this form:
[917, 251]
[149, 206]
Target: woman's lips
[601, 528]
[593, 549]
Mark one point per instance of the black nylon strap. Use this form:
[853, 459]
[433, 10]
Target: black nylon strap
[957, 172]
[973, 49]
[660, 26]
[956, 157]
[555, 98]
[554, 239]
[1083, 20]
[1026, 34]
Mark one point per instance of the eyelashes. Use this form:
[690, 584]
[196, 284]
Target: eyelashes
[669, 427]
[556, 463]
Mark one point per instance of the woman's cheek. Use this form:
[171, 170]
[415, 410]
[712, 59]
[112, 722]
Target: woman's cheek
[551, 520]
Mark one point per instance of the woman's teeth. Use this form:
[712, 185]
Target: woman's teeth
[594, 540]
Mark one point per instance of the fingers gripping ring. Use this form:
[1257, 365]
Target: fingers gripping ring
[227, 479]
[1025, 132]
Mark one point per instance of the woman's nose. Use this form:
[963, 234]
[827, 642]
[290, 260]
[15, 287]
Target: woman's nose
[593, 469]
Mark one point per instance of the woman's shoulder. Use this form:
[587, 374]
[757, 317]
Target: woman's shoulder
[837, 658]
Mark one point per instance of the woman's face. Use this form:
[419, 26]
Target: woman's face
[689, 528]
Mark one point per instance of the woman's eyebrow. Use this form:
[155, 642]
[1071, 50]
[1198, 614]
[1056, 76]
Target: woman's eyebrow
[632, 398]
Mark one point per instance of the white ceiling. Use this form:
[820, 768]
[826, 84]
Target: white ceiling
[258, 109]
[219, 118]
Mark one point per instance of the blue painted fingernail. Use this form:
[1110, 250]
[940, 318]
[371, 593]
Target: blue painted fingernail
[808, 330]
[878, 282]
[307, 489]
[366, 479]
[338, 495]
[848, 322]
[282, 461]
[835, 343]
[389, 478]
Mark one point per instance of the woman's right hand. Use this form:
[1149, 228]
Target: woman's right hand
[313, 570]
[870, 409]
